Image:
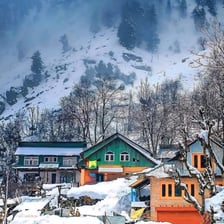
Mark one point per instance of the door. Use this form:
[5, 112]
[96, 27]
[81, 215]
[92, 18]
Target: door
[99, 178]
[180, 216]
[53, 178]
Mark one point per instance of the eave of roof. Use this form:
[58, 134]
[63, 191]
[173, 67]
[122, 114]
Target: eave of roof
[140, 183]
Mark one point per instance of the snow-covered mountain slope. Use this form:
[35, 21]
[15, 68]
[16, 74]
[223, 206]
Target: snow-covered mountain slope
[42, 29]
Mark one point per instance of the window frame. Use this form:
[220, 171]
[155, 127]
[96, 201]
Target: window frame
[126, 157]
[31, 161]
[109, 156]
[50, 159]
[69, 161]
[197, 161]
[168, 190]
[191, 188]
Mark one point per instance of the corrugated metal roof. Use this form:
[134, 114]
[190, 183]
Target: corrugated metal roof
[34, 151]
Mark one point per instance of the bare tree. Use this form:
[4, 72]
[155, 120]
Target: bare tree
[158, 113]
[77, 108]
[9, 138]
[108, 95]
[211, 63]
[205, 178]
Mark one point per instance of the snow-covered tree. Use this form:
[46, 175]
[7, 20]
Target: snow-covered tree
[210, 118]
[199, 16]
[37, 63]
[212, 7]
[10, 135]
[211, 62]
[65, 44]
[183, 8]
[206, 177]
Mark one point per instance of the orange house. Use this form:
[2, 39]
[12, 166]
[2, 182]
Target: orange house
[166, 199]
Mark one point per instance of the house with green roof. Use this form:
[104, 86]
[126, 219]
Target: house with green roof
[113, 157]
[50, 162]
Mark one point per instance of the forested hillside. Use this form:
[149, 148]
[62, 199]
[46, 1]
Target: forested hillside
[82, 70]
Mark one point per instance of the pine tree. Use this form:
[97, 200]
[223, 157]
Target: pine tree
[212, 7]
[37, 63]
[168, 9]
[127, 35]
[36, 68]
[199, 17]
[151, 37]
[183, 8]
[65, 44]
[130, 20]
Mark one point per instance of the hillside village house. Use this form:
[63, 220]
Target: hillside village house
[114, 157]
[51, 162]
[166, 199]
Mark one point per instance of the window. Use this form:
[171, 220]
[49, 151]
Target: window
[163, 190]
[31, 161]
[170, 190]
[191, 189]
[199, 161]
[109, 156]
[177, 191]
[50, 159]
[69, 161]
[124, 156]
[203, 161]
[195, 164]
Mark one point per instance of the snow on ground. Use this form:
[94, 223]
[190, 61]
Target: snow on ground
[114, 195]
[216, 203]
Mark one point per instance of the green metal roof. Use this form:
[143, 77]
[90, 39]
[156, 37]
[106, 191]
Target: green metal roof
[54, 144]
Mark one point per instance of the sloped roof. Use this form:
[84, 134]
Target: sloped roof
[76, 144]
[50, 148]
[93, 149]
[140, 183]
[34, 151]
[167, 151]
[157, 171]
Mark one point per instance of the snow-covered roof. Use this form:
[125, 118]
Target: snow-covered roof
[36, 151]
[32, 206]
[168, 154]
[159, 171]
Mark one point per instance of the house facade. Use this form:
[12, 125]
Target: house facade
[166, 199]
[49, 162]
[114, 157]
